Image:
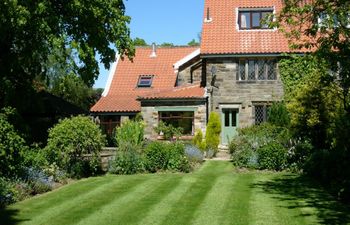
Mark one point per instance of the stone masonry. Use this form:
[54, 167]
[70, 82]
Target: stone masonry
[230, 91]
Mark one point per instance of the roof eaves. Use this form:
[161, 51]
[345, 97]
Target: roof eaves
[111, 76]
[170, 98]
[187, 58]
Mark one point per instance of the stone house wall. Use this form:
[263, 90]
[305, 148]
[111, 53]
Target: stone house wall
[184, 76]
[230, 91]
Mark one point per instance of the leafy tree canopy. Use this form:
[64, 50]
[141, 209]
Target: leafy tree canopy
[140, 42]
[30, 32]
[193, 42]
[167, 44]
[321, 25]
[74, 90]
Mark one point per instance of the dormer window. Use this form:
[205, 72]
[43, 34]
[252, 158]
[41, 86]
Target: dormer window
[145, 81]
[249, 19]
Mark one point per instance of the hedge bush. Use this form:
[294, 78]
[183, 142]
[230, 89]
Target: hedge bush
[263, 146]
[74, 145]
[272, 156]
[127, 162]
[166, 156]
[12, 147]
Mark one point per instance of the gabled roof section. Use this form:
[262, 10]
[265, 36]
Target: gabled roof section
[221, 34]
[187, 58]
[190, 91]
[123, 91]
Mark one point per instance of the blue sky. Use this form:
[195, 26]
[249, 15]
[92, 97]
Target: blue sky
[159, 21]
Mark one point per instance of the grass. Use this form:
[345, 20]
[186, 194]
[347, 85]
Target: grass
[214, 194]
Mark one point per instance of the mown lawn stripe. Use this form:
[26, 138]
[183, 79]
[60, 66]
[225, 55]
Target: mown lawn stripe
[74, 209]
[163, 207]
[184, 209]
[237, 210]
[36, 205]
[114, 210]
[134, 213]
[272, 208]
[217, 199]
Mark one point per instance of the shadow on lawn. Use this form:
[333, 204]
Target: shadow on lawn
[7, 216]
[292, 189]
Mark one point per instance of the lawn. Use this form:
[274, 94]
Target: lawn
[214, 194]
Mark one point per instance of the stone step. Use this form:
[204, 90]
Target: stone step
[222, 155]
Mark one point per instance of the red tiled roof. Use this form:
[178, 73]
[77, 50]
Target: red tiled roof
[221, 35]
[182, 92]
[123, 91]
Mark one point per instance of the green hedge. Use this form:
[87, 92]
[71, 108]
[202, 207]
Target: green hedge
[263, 146]
[74, 145]
[166, 156]
[12, 148]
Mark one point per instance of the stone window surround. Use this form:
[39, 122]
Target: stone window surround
[264, 113]
[256, 76]
[172, 117]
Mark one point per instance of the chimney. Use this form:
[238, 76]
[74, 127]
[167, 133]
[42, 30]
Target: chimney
[208, 19]
[154, 51]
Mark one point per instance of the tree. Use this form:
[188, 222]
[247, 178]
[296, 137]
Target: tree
[193, 43]
[72, 89]
[167, 44]
[140, 42]
[321, 26]
[31, 31]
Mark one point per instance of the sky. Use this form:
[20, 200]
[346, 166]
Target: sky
[159, 21]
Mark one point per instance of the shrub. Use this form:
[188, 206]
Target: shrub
[193, 153]
[127, 162]
[35, 157]
[278, 114]
[12, 147]
[166, 156]
[242, 154]
[39, 181]
[7, 193]
[198, 140]
[74, 145]
[131, 132]
[272, 156]
[262, 146]
[168, 131]
[156, 156]
[177, 160]
[212, 135]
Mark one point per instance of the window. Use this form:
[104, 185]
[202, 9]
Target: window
[253, 19]
[145, 81]
[109, 123]
[185, 120]
[261, 113]
[257, 69]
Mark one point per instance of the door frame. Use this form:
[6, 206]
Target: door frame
[232, 107]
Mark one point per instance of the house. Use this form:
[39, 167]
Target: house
[234, 73]
[161, 83]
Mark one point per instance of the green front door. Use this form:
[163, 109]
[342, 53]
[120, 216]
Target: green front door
[229, 121]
